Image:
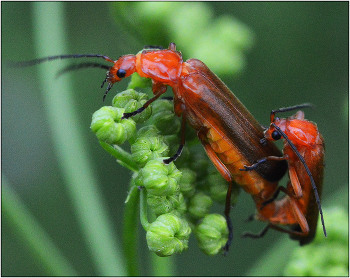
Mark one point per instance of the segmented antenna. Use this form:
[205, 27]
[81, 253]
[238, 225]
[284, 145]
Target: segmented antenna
[153, 47]
[69, 68]
[82, 66]
[61, 57]
[291, 108]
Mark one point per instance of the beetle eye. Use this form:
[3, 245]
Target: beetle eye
[276, 135]
[121, 73]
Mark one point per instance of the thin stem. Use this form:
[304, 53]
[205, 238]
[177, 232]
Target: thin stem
[163, 266]
[33, 234]
[131, 231]
[143, 209]
[70, 144]
[123, 157]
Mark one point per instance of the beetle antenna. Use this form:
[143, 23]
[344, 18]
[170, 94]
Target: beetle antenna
[57, 57]
[82, 66]
[291, 108]
[153, 47]
[302, 160]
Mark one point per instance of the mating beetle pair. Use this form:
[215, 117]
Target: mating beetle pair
[233, 139]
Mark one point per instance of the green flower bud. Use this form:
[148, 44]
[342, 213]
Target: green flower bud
[137, 81]
[173, 141]
[199, 205]
[107, 125]
[326, 256]
[132, 100]
[148, 148]
[168, 235]
[158, 178]
[181, 205]
[212, 234]
[199, 163]
[163, 117]
[218, 188]
[165, 204]
[148, 131]
[187, 182]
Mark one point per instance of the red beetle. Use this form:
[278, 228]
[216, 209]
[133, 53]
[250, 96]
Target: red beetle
[304, 152]
[229, 133]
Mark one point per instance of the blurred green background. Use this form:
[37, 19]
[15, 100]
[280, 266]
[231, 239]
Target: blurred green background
[299, 54]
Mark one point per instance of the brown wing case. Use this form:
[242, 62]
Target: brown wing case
[212, 101]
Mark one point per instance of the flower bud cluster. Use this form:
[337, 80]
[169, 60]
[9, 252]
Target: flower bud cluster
[180, 200]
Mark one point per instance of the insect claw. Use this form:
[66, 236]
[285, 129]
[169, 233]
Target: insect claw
[128, 115]
[263, 141]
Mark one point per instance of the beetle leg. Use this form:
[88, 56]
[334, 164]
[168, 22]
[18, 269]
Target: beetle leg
[168, 98]
[275, 227]
[158, 89]
[182, 143]
[292, 174]
[221, 167]
[260, 161]
[274, 197]
[300, 217]
[284, 230]
[228, 219]
[295, 182]
[298, 214]
[259, 235]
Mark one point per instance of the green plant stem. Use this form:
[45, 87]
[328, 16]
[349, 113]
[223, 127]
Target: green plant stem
[143, 209]
[160, 266]
[131, 232]
[123, 157]
[71, 151]
[163, 266]
[33, 233]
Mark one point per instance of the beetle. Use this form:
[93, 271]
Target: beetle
[228, 132]
[304, 152]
